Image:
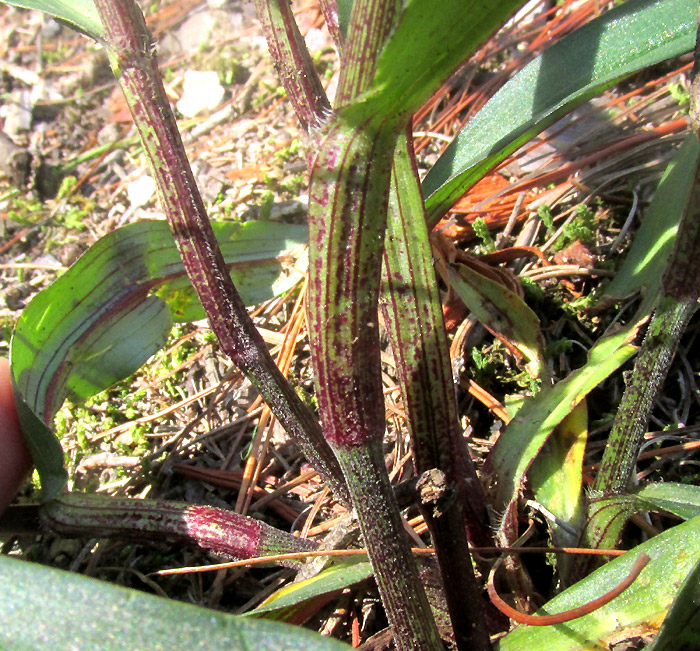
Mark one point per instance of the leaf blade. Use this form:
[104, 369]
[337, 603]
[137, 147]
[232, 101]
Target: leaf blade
[525, 435]
[38, 604]
[71, 341]
[79, 14]
[628, 38]
[673, 554]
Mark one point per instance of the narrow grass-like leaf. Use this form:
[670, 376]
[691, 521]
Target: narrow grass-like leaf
[682, 500]
[504, 313]
[651, 248]
[632, 36]
[42, 607]
[525, 435]
[287, 601]
[79, 14]
[674, 553]
[113, 309]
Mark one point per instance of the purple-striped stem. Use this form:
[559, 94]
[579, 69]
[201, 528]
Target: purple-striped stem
[130, 51]
[370, 24]
[293, 62]
[207, 527]
[415, 325]
[330, 14]
[347, 217]
[350, 171]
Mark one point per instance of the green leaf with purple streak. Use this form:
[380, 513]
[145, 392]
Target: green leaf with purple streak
[113, 309]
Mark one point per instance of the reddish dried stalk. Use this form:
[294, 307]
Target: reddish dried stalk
[567, 615]
[131, 56]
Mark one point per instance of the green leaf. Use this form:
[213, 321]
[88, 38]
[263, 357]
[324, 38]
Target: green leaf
[114, 308]
[344, 11]
[682, 500]
[674, 553]
[427, 45]
[556, 476]
[81, 15]
[525, 435]
[681, 628]
[41, 608]
[632, 36]
[504, 313]
[287, 601]
[653, 242]
[424, 49]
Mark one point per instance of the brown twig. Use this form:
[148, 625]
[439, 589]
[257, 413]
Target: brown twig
[567, 615]
[363, 552]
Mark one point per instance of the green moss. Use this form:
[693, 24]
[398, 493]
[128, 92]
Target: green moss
[289, 152]
[294, 185]
[559, 347]
[26, 210]
[481, 230]
[545, 214]
[534, 294]
[582, 228]
[680, 93]
[493, 366]
[76, 208]
[267, 200]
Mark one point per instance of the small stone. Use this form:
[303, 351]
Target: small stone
[201, 92]
[140, 191]
[17, 112]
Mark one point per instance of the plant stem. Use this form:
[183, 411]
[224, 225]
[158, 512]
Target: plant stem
[330, 14]
[349, 188]
[217, 530]
[680, 290]
[650, 370]
[349, 179]
[293, 62]
[132, 60]
[388, 549]
[418, 339]
[370, 23]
